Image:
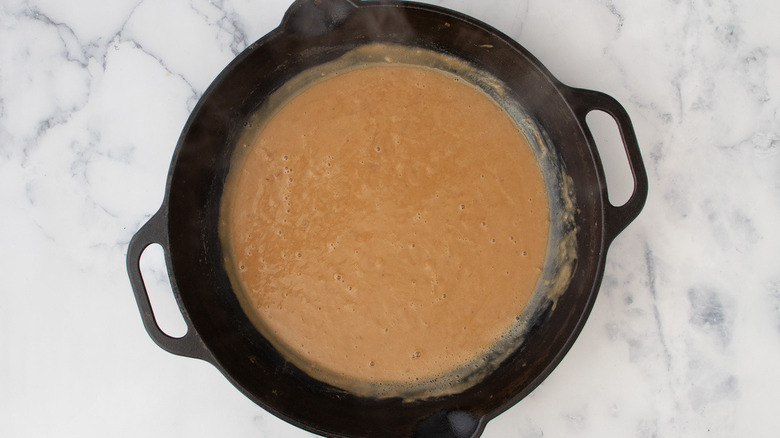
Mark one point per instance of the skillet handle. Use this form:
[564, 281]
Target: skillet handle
[583, 102]
[154, 231]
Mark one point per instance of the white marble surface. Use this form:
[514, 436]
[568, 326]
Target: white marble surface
[684, 339]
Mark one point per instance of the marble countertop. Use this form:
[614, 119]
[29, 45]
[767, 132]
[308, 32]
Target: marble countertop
[684, 338]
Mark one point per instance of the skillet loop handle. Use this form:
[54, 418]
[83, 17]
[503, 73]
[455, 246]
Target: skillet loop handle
[154, 231]
[585, 101]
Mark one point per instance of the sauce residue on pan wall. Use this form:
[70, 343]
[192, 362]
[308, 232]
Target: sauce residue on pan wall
[386, 228]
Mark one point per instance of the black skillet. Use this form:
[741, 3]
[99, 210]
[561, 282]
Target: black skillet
[314, 32]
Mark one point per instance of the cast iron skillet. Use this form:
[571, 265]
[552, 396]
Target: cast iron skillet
[186, 226]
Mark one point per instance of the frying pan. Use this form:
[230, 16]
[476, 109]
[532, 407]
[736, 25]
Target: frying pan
[312, 33]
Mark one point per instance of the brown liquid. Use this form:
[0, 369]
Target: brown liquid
[387, 225]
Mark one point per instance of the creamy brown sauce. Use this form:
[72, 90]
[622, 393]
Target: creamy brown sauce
[387, 225]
